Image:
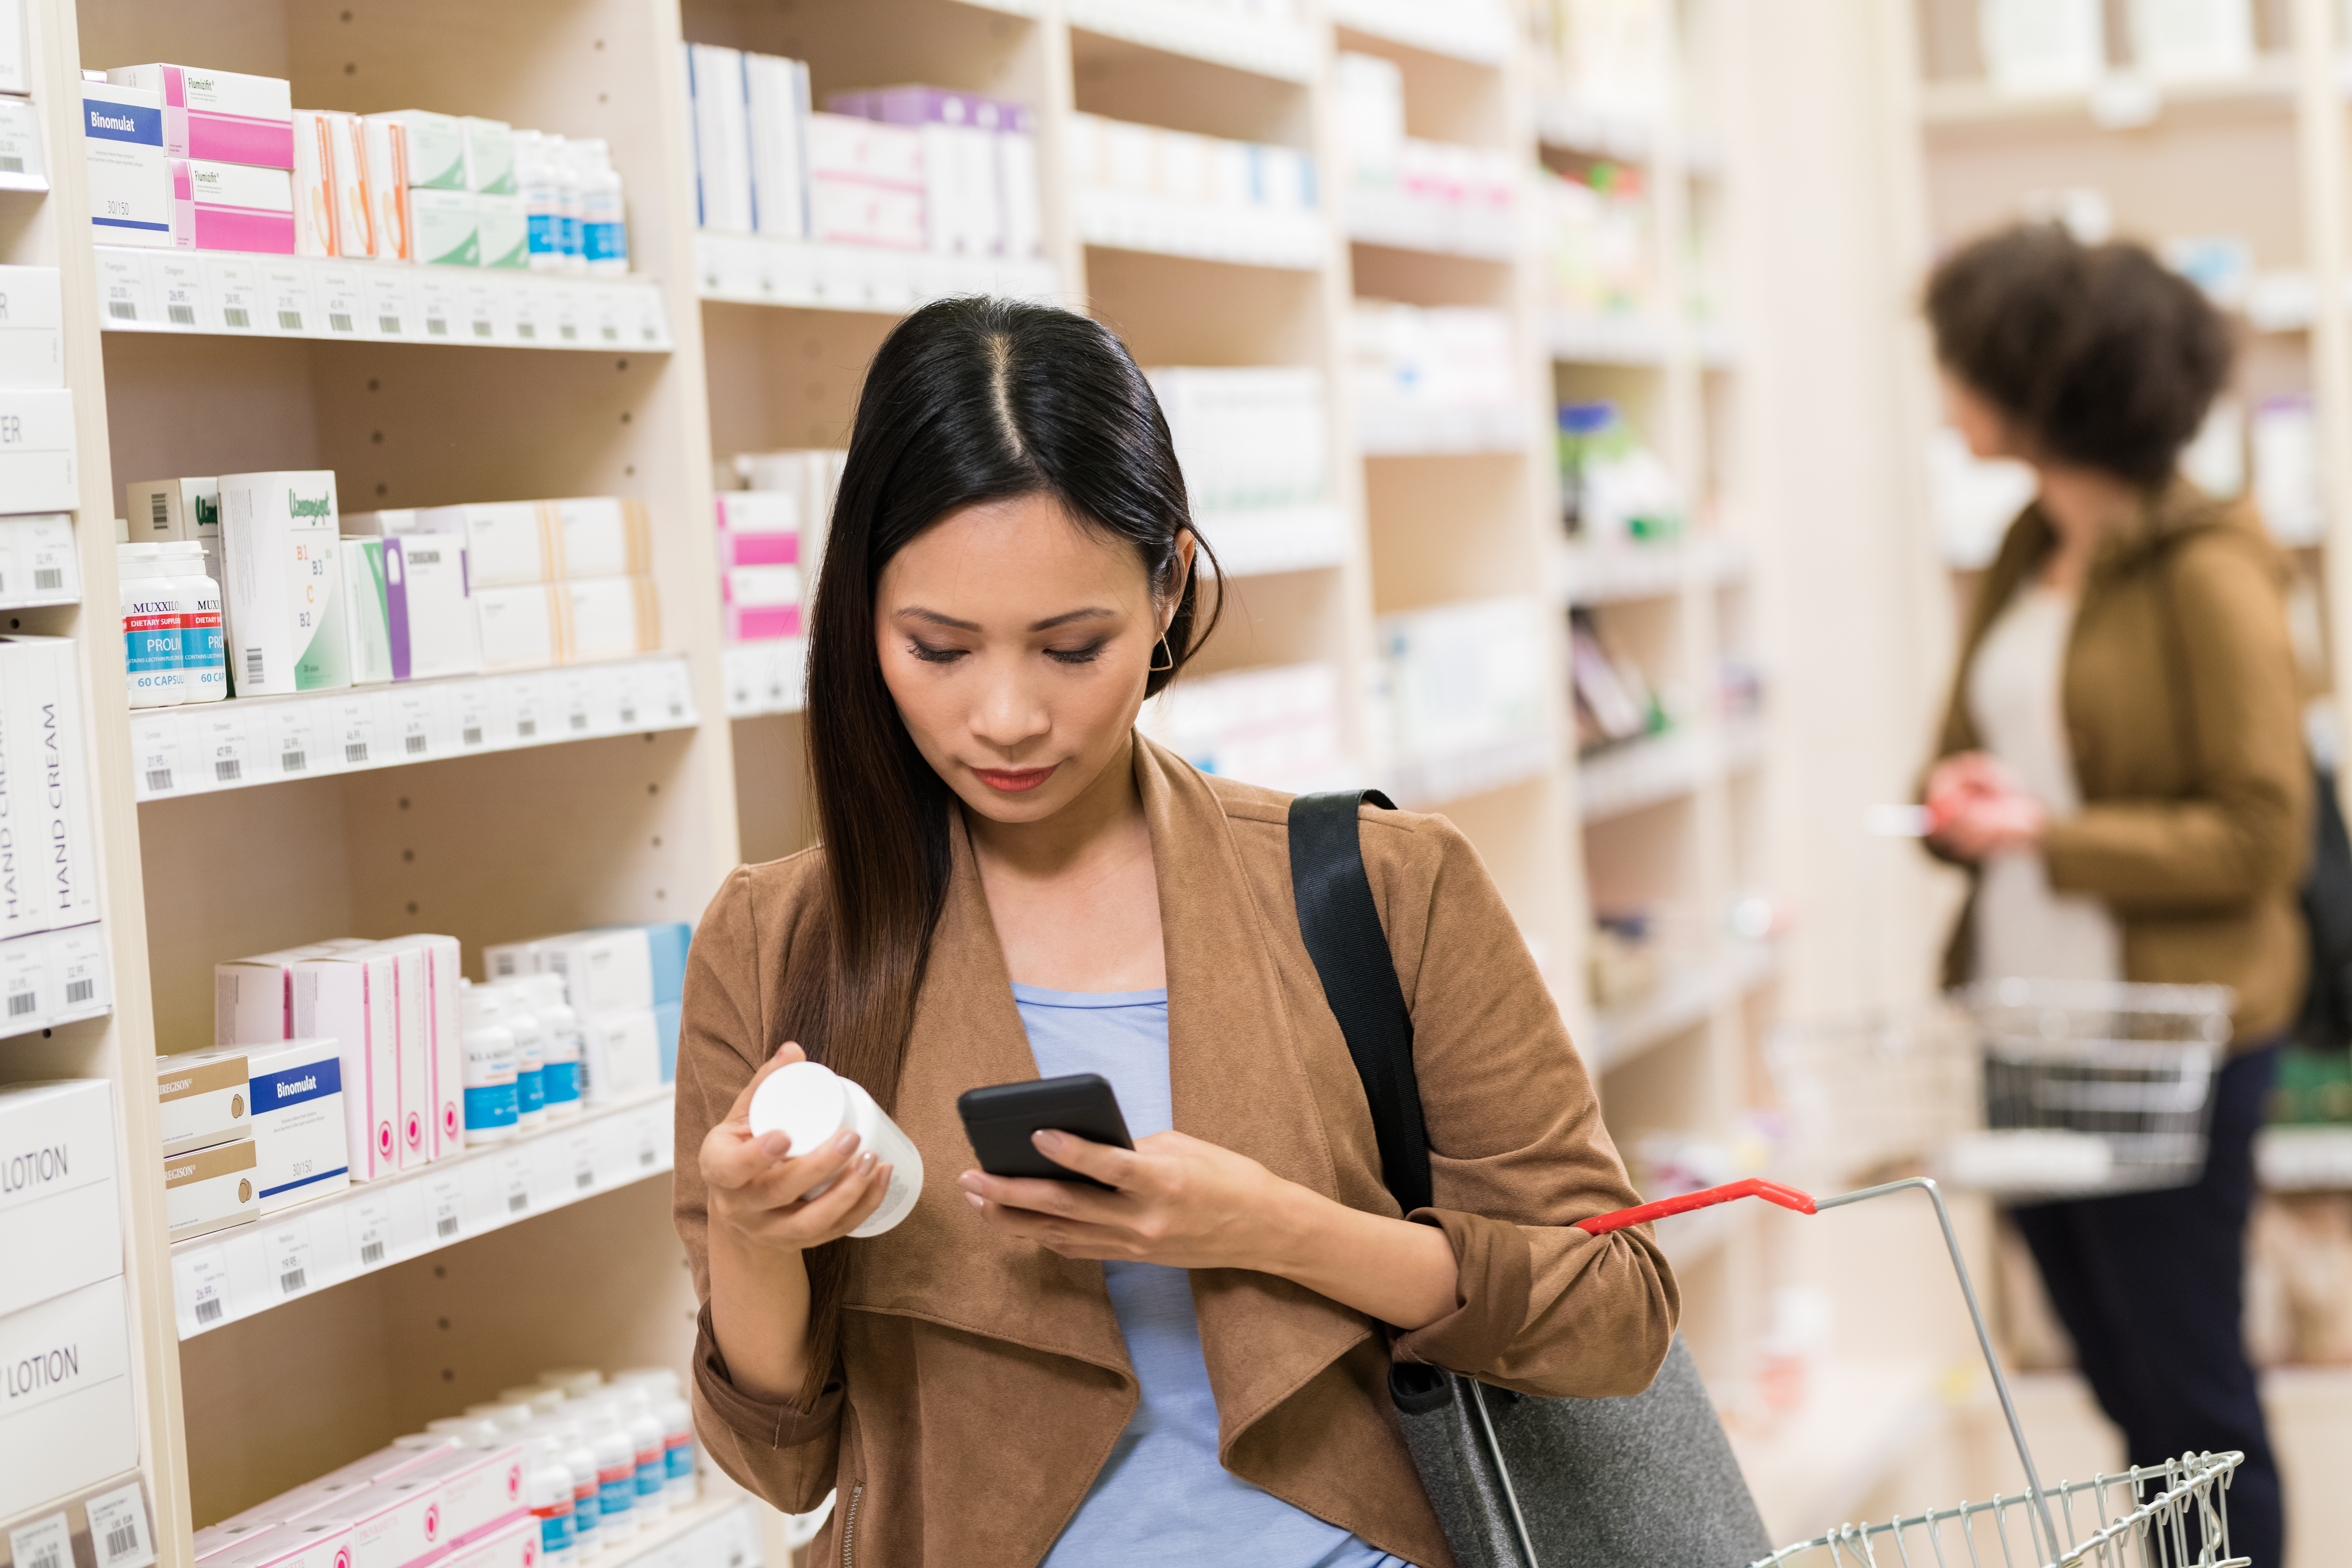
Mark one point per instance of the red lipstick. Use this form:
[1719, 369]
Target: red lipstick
[1013, 781]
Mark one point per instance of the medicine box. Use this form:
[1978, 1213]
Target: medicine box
[317, 196]
[506, 542]
[203, 1098]
[304, 1545]
[231, 207]
[442, 974]
[37, 451]
[60, 1210]
[225, 116]
[301, 1142]
[253, 998]
[504, 224]
[32, 327]
[489, 156]
[604, 970]
[778, 93]
[349, 997]
[388, 1463]
[383, 145]
[595, 536]
[412, 1026]
[394, 1524]
[433, 154]
[283, 598]
[354, 191]
[724, 185]
[445, 227]
[130, 178]
[609, 618]
[429, 608]
[482, 1491]
[367, 620]
[164, 511]
[212, 1189]
[513, 1546]
[519, 627]
[67, 1420]
[229, 1534]
[762, 512]
[48, 878]
[24, 166]
[620, 1054]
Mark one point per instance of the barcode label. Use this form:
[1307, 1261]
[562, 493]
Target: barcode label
[292, 1281]
[80, 990]
[181, 315]
[629, 715]
[236, 318]
[371, 1254]
[159, 508]
[570, 332]
[122, 1539]
[522, 329]
[228, 770]
[473, 734]
[209, 1310]
[611, 334]
[122, 310]
[159, 778]
[355, 751]
[580, 720]
[388, 325]
[645, 1155]
[21, 1003]
[293, 761]
[289, 320]
[12, 166]
[525, 728]
[49, 579]
[437, 327]
[416, 744]
[584, 1179]
[45, 1558]
[253, 665]
[481, 328]
[517, 1202]
[445, 1226]
[339, 321]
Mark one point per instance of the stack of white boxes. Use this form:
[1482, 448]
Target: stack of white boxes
[1435, 378]
[909, 167]
[1277, 727]
[226, 171]
[68, 1416]
[38, 483]
[1250, 437]
[626, 984]
[1172, 190]
[1463, 678]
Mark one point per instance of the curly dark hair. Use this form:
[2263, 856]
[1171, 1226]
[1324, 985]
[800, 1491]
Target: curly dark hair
[2101, 353]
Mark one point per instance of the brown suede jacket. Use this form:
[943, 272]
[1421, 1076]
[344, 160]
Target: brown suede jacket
[984, 1380]
[2184, 716]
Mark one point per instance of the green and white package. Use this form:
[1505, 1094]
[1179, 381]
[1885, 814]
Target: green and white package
[505, 231]
[435, 149]
[445, 227]
[489, 156]
[367, 612]
[284, 593]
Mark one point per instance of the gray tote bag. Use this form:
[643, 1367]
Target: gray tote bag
[1515, 1481]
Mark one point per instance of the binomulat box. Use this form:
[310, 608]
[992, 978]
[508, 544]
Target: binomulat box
[231, 207]
[300, 1144]
[225, 116]
[130, 179]
[284, 595]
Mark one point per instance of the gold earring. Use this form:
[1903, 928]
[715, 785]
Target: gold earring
[1161, 647]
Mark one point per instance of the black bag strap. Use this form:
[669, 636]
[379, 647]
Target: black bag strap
[1341, 926]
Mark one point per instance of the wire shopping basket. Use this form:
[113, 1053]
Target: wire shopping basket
[2022, 1089]
[2173, 1515]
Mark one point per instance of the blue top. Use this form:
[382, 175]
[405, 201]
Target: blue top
[1161, 1497]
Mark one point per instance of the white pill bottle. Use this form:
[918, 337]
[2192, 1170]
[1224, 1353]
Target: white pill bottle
[808, 1103]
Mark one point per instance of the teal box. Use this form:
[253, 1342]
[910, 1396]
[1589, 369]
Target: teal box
[669, 942]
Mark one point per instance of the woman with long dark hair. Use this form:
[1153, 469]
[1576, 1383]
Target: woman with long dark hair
[1190, 1366]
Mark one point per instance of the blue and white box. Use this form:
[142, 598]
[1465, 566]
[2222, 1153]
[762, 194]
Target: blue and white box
[129, 181]
[300, 1144]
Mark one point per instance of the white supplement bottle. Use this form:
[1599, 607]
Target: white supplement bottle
[515, 1011]
[538, 1396]
[473, 1431]
[646, 1436]
[808, 1103]
[577, 1382]
[604, 221]
[616, 1474]
[547, 1492]
[490, 1067]
[580, 1460]
[660, 1386]
[153, 633]
[204, 655]
[559, 1044]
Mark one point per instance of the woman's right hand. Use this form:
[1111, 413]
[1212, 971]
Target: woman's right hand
[759, 1189]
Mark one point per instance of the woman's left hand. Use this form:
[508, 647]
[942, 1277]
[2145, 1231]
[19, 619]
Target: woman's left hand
[1179, 1202]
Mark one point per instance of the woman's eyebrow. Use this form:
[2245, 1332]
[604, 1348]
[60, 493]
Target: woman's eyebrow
[1091, 613]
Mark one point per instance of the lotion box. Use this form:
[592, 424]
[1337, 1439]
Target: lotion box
[202, 1098]
[225, 116]
[284, 598]
[60, 1211]
[68, 1420]
[130, 178]
[212, 1189]
[32, 328]
[299, 1141]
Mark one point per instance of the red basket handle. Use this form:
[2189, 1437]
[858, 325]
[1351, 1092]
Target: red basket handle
[1682, 1202]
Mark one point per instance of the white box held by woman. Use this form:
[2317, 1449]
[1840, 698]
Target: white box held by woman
[284, 598]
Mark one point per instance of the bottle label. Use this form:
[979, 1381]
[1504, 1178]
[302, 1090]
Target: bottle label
[531, 1092]
[554, 1528]
[651, 1478]
[546, 230]
[602, 240]
[679, 1452]
[558, 1082]
[152, 637]
[201, 638]
[617, 1490]
[583, 1510]
[568, 234]
[492, 1105]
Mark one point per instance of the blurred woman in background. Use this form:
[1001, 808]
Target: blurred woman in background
[2122, 770]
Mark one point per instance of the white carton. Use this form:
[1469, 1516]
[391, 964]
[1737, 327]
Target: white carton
[212, 1189]
[504, 232]
[253, 998]
[507, 543]
[604, 970]
[367, 620]
[442, 974]
[25, 818]
[130, 177]
[301, 1141]
[430, 607]
[609, 618]
[283, 599]
[620, 1053]
[778, 90]
[350, 998]
[722, 128]
[519, 627]
[40, 709]
[395, 1523]
[32, 327]
[596, 536]
[202, 1098]
[435, 148]
[482, 1491]
[489, 155]
[303, 1544]
[37, 451]
[60, 1211]
[514, 1545]
[411, 1001]
[445, 227]
[166, 511]
[67, 1417]
[318, 192]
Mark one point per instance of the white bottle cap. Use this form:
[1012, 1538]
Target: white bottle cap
[804, 1102]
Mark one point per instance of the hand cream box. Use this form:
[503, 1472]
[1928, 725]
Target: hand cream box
[48, 867]
[367, 620]
[212, 1189]
[231, 207]
[67, 1419]
[204, 1099]
[284, 595]
[32, 328]
[521, 625]
[445, 227]
[224, 116]
[349, 996]
[300, 1143]
[60, 1211]
[130, 178]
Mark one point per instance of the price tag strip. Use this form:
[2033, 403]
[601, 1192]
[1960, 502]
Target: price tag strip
[226, 1276]
[53, 978]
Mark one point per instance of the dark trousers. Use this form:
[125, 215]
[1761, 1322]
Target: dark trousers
[2150, 1286]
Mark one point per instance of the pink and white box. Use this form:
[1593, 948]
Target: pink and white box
[231, 207]
[394, 1524]
[480, 1493]
[225, 116]
[514, 1546]
[761, 603]
[312, 1544]
[759, 528]
[866, 182]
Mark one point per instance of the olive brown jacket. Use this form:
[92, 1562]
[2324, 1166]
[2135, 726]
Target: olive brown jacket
[2183, 707]
[982, 1380]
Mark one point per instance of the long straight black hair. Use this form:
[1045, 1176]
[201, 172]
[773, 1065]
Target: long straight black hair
[968, 400]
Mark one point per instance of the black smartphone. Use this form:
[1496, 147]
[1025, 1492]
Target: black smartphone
[1000, 1119]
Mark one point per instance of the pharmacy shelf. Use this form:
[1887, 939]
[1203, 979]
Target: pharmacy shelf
[1603, 575]
[1652, 769]
[2305, 1158]
[1287, 51]
[1686, 997]
[1430, 782]
[251, 740]
[231, 1275]
[815, 276]
[1479, 34]
[1204, 231]
[225, 293]
[1439, 432]
[52, 978]
[1258, 543]
[2123, 101]
[763, 678]
[1861, 1420]
[1403, 222]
